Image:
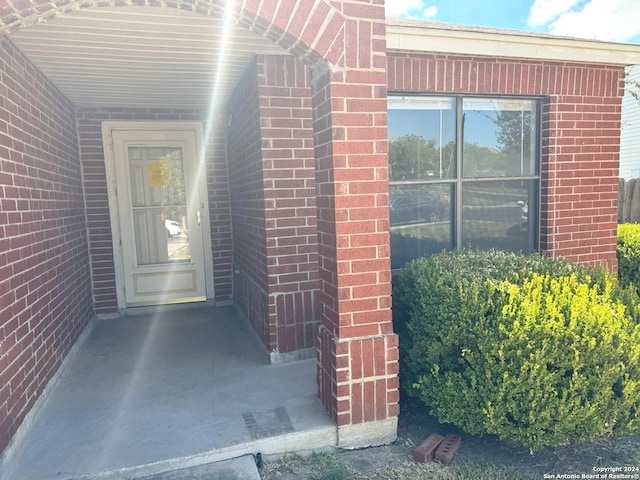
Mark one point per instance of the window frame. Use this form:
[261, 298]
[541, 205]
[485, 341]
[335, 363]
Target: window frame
[459, 180]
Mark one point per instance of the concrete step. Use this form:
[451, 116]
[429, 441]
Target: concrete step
[241, 468]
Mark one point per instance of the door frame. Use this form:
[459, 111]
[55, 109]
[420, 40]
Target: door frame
[108, 127]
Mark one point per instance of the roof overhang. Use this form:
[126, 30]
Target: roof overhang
[430, 37]
[162, 58]
[146, 57]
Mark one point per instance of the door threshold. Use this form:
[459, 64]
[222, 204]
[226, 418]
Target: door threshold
[145, 310]
[162, 303]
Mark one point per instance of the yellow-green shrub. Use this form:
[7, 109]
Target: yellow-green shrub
[546, 355]
[628, 253]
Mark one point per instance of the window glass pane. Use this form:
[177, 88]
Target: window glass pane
[500, 215]
[159, 205]
[421, 138]
[499, 137]
[421, 221]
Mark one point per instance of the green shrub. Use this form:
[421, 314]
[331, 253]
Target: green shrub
[628, 253]
[534, 350]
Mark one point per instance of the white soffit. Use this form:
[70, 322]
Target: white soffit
[430, 37]
[141, 57]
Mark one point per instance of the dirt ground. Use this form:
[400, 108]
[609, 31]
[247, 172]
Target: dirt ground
[415, 425]
[571, 459]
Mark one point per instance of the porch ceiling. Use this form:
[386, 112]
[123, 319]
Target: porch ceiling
[140, 57]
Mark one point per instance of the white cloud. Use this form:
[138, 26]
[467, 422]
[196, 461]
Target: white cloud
[610, 20]
[401, 8]
[614, 20]
[430, 12]
[544, 11]
[410, 8]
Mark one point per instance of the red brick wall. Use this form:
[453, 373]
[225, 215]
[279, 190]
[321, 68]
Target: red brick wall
[580, 137]
[351, 143]
[290, 200]
[272, 171]
[251, 283]
[98, 220]
[219, 213]
[45, 285]
[272, 174]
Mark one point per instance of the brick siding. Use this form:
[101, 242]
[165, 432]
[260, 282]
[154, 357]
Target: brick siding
[45, 294]
[247, 205]
[272, 171]
[290, 200]
[351, 144]
[98, 219]
[580, 137]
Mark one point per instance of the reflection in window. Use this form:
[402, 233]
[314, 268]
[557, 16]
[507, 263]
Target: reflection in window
[421, 222]
[498, 139]
[497, 215]
[422, 132]
[485, 198]
[422, 141]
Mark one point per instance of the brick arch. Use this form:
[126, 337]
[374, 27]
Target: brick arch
[309, 41]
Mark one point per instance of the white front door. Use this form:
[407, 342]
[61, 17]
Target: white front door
[161, 204]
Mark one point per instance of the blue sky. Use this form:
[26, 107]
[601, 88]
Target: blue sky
[608, 20]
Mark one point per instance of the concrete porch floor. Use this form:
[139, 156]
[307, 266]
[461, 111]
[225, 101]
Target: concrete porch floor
[166, 390]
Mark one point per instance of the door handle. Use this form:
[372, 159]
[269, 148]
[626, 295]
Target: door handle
[198, 216]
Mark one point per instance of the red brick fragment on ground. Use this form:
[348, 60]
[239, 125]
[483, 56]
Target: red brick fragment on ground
[424, 452]
[448, 448]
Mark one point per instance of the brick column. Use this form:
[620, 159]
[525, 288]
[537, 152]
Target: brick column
[357, 349]
[288, 170]
[344, 44]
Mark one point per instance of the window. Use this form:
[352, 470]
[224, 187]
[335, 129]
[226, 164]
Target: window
[464, 171]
